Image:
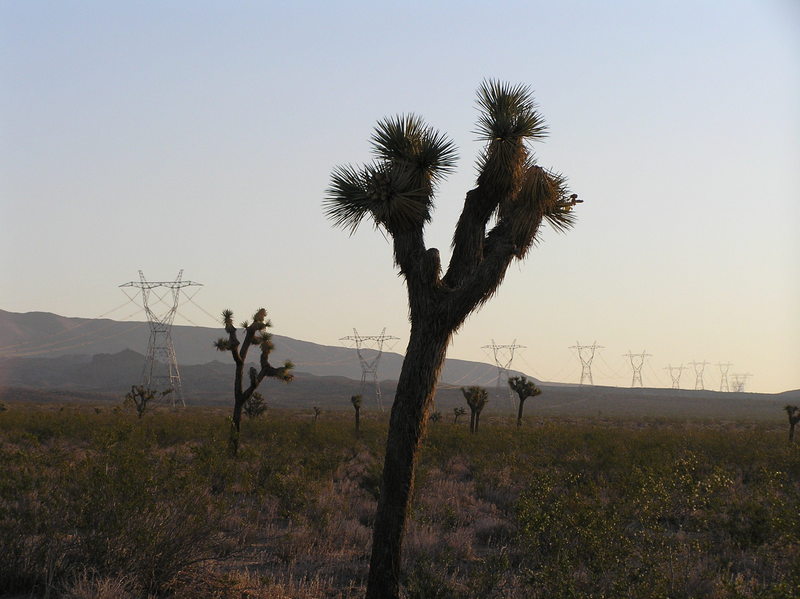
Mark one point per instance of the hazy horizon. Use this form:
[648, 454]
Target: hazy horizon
[202, 137]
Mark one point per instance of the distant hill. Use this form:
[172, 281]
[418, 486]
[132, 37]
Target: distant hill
[46, 335]
[45, 357]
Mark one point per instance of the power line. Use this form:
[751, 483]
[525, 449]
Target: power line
[503, 357]
[699, 367]
[370, 365]
[740, 380]
[723, 372]
[637, 361]
[586, 355]
[161, 366]
[675, 374]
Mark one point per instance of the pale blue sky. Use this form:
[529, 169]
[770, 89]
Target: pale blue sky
[201, 135]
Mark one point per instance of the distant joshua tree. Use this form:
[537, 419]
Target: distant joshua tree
[458, 413]
[356, 401]
[255, 333]
[436, 416]
[477, 398]
[794, 417]
[524, 389]
[255, 406]
[140, 396]
[317, 412]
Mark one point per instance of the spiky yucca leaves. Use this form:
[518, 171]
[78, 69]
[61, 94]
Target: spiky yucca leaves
[397, 189]
[255, 333]
[458, 412]
[524, 389]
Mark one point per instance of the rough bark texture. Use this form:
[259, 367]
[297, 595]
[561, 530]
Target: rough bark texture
[519, 412]
[415, 392]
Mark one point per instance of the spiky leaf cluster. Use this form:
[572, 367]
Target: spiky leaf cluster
[523, 387]
[477, 397]
[396, 190]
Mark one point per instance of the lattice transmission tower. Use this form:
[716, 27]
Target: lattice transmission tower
[586, 355]
[675, 374]
[503, 357]
[723, 376]
[699, 367]
[161, 366]
[637, 361]
[739, 381]
[369, 366]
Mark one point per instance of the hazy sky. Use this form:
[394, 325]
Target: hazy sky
[201, 135]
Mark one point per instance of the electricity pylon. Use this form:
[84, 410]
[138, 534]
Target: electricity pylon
[586, 355]
[675, 374]
[503, 357]
[161, 366]
[723, 372]
[637, 361]
[370, 365]
[699, 367]
[740, 380]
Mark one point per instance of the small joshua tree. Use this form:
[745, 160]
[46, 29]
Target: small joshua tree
[436, 416]
[317, 412]
[255, 333]
[140, 396]
[255, 406]
[458, 413]
[524, 389]
[356, 401]
[477, 398]
[794, 417]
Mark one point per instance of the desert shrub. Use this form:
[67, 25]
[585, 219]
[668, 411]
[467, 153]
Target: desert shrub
[122, 509]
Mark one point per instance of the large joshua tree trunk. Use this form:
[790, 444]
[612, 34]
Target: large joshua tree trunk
[414, 397]
[397, 192]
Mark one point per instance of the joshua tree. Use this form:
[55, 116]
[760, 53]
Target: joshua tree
[255, 406]
[255, 333]
[436, 416]
[356, 401]
[457, 413]
[512, 197]
[524, 389]
[317, 412]
[794, 417]
[477, 398]
[141, 396]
